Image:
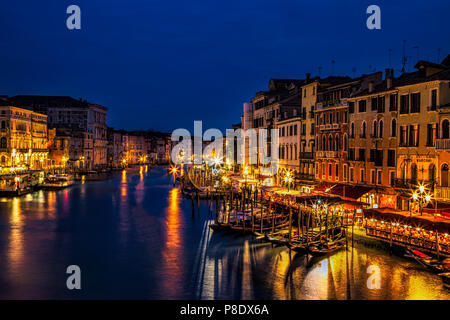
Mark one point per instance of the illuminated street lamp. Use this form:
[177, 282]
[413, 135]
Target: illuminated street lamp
[422, 197]
[174, 171]
[288, 180]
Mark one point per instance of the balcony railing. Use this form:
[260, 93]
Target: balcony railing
[442, 143]
[327, 154]
[306, 155]
[413, 183]
[443, 193]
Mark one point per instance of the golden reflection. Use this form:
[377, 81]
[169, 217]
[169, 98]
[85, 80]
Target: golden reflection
[172, 261]
[15, 252]
[123, 188]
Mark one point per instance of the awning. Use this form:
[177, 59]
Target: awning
[322, 186]
[350, 192]
[429, 222]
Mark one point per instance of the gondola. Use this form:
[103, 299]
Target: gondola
[218, 226]
[430, 263]
[325, 248]
[446, 279]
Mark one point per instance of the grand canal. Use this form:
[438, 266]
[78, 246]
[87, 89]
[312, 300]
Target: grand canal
[135, 237]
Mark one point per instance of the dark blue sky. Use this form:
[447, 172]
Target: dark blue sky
[163, 64]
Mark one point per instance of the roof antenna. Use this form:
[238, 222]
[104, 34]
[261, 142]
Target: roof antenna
[390, 54]
[417, 48]
[404, 56]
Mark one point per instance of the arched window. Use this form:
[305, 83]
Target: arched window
[3, 144]
[445, 129]
[345, 142]
[336, 139]
[432, 173]
[444, 175]
[3, 124]
[324, 143]
[413, 173]
[403, 170]
[380, 129]
[352, 130]
[393, 128]
[330, 143]
[375, 129]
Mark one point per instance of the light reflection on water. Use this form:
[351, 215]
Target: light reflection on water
[135, 237]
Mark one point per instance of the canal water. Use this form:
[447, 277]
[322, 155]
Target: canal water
[135, 237]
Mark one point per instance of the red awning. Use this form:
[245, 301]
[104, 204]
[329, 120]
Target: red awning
[322, 186]
[350, 192]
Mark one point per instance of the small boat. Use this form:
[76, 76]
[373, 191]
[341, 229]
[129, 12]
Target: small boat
[218, 226]
[325, 248]
[427, 261]
[57, 181]
[445, 279]
[297, 247]
[15, 184]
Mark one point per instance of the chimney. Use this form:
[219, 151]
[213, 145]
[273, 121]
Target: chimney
[389, 76]
[308, 76]
[370, 86]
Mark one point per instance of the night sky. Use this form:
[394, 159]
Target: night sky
[163, 64]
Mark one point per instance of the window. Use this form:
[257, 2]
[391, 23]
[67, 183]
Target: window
[3, 125]
[415, 102]
[372, 177]
[345, 142]
[362, 106]
[391, 158]
[374, 129]
[312, 129]
[362, 154]
[431, 173]
[352, 130]
[433, 102]
[431, 134]
[351, 154]
[362, 175]
[352, 174]
[379, 177]
[316, 167]
[336, 172]
[445, 129]
[403, 136]
[393, 102]
[444, 175]
[351, 107]
[345, 172]
[393, 128]
[363, 130]
[3, 143]
[303, 129]
[323, 170]
[295, 130]
[374, 104]
[330, 173]
[380, 129]
[391, 177]
[404, 104]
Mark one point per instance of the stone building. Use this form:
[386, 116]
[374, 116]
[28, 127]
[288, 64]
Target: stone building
[23, 139]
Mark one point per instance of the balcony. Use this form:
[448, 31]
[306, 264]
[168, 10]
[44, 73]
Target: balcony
[443, 193]
[327, 154]
[306, 155]
[412, 184]
[442, 143]
[329, 126]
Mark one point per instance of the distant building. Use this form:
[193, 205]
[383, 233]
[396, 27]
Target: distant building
[84, 119]
[23, 139]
